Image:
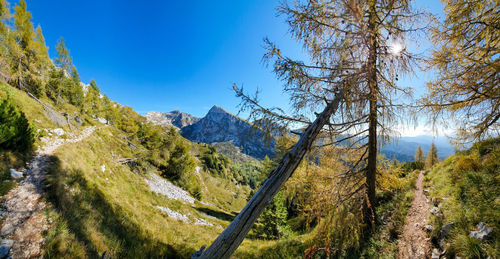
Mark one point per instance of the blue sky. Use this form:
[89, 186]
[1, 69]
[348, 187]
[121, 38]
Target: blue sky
[167, 55]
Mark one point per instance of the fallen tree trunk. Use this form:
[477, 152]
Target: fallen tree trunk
[229, 240]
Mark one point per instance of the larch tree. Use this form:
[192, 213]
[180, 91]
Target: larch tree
[63, 59]
[24, 56]
[419, 155]
[356, 48]
[42, 50]
[64, 63]
[360, 45]
[4, 47]
[467, 87]
[76, 90]
[432, 157]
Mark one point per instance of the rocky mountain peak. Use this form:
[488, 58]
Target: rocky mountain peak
[217, 126]
[174, 118]
[221, 126]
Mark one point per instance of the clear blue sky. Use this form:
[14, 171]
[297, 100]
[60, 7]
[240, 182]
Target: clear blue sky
[166, 55]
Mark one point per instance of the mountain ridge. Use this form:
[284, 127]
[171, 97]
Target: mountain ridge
[219, 125]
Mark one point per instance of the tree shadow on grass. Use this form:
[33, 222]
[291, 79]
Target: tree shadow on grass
[83, 205]
[216, 213]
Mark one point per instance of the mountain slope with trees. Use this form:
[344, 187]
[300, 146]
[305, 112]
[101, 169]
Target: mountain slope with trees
[133, 189]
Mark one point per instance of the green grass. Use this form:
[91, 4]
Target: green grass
[33, 110]
[114, 211]
[467, 185]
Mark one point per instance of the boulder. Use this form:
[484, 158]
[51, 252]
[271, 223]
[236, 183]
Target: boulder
[15, 174]
[5, 245]
[482, 232]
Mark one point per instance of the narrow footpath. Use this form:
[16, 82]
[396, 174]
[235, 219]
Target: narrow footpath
[414, 242]
[23, 220]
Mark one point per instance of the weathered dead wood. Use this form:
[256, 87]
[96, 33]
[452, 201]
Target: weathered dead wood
[229, 240]
[127, 160]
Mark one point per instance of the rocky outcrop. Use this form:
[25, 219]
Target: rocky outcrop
[173, 118]
[482, 233]
[221, 126]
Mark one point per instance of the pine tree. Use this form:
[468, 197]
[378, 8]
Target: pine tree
[419, 155]
[432, 157]
[272, 223]
[467, 88]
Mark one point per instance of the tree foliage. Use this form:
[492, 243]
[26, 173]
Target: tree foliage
[354, 46]
[214, 162]
[432, 157]
[272, 222]
[419, 155]
[24, 59]
[16, 133]
[467, 87]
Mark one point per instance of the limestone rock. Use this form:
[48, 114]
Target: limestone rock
[15, 174]
[434, 210]
[435, 253]
[482, 232]
[174, 118]
[58, 131]
[221, 126]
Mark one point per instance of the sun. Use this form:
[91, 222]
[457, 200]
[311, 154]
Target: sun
[396, 47]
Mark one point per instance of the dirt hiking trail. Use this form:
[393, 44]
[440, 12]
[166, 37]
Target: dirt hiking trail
[23, 220]
[414, 242]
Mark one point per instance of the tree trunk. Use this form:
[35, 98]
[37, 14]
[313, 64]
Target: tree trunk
[229, 240]
[371, 170]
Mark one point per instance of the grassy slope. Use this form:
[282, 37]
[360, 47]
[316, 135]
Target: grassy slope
[114, 211]
[35, 114]
[467, 186]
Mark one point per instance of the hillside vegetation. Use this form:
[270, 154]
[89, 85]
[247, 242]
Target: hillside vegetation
[465, 188]
[133, 189]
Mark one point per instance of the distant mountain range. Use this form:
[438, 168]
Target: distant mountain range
[403, 149]
[219, 126]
